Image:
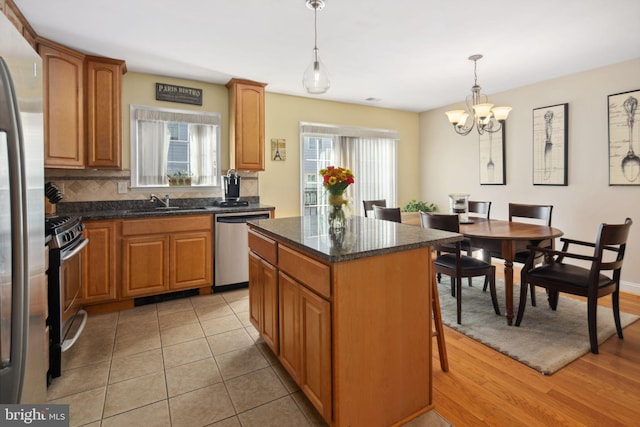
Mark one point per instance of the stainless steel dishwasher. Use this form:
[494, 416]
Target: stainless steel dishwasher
[232, 249]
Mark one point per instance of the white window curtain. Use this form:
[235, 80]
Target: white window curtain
[374, 164]
[153, 150]
[201, 142]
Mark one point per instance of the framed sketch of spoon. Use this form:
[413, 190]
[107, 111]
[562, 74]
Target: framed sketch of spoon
[624, 138]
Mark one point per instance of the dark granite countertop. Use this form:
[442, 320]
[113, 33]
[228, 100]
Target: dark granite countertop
[142, 209]
[363, 237]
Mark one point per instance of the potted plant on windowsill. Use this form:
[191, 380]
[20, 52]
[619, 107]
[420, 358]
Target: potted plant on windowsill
[179, 179]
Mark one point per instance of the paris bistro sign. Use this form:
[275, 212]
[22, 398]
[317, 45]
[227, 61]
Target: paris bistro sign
[182, 94]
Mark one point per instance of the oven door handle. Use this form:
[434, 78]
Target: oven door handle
[75, 250]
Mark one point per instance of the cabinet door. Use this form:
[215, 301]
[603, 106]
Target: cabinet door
[289, 297]
[255, 290]
[145, 265]
[99, 262]
[247, 124]
[63, 106]
[191, 262]
[270, 316]
[315, 351]
[104, 118]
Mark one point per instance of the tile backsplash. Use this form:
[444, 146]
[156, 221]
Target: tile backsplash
[98, 185]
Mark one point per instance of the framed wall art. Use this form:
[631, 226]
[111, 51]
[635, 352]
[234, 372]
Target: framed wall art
[550, 142]
[278, 149]
[624, 138]
[492, 157]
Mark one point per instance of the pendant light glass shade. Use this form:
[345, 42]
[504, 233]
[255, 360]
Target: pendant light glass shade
[316, 78]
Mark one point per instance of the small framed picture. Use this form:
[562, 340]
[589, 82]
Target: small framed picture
[278, 149]
[492, 157]
[624, 138]
[550, 139]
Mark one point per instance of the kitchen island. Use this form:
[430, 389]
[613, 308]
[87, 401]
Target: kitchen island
[348, 314]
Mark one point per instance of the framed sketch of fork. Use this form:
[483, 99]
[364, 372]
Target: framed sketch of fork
[492, 157]
[624, 138]
[550, 140]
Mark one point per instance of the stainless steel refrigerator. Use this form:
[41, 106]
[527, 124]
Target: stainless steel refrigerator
[23, 286]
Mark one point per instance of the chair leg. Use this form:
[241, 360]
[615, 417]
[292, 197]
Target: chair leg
[533, 295]
[615, 300]
[553, 299]
[470, 253]
[437, 320]
[459, 299]
[453, 286]
[522, 303]
[486, 257]
[492, 287]
[592, 310]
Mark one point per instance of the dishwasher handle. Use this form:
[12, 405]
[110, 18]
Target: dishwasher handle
[240, 219]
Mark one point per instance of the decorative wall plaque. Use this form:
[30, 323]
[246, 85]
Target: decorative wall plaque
[181, 94]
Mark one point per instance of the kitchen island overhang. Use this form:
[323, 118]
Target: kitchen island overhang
[348, 314]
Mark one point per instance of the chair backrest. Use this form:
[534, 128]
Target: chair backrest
[369, 204]
[612, 237]
[387, 214]
[482, 208]
[446, 222]
[541, 212]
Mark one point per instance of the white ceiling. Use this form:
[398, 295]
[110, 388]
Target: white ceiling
[409, 54]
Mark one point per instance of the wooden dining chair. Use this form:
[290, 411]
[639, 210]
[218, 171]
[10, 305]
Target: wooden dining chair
[590, 282]
[455, 265]
[483, 210]
[540, 214]
[387, 214]
[369, 204]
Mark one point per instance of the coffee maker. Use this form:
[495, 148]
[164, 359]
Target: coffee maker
[231, 185]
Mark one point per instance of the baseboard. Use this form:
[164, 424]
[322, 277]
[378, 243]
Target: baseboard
[629, 287]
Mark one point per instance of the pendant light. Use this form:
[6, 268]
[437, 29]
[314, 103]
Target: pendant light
[316, 79]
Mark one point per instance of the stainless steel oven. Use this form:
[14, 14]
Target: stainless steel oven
[66, 318]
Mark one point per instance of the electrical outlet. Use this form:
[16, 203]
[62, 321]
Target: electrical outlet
[122, 188]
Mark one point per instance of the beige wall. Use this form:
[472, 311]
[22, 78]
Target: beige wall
[449, 163]
[280, 182]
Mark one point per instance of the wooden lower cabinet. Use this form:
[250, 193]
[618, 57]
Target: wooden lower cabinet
[165, 254]
[145, 265]
[263, 291]
[99, 262]
[305, 341]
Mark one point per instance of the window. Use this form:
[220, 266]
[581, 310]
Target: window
[370, 153]
[168, 142]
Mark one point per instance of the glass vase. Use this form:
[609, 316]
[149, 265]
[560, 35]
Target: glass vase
[337, 217]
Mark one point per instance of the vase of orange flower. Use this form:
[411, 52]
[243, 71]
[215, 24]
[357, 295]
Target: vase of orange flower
[336, 180]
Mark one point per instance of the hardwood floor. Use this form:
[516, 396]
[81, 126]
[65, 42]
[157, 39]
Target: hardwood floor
[486, 388]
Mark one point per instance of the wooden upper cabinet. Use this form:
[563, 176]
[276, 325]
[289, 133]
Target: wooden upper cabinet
[63, 105]
[82, 108]
[104, 107]
[246, 124]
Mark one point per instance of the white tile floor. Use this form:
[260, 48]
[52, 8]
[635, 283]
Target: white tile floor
[188, 362]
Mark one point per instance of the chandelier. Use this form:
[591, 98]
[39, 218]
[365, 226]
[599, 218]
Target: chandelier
[316, 79]
[479, 113]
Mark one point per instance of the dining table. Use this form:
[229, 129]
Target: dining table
[502, 239]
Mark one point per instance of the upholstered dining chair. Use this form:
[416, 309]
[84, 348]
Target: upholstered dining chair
[451, 262]
[369, 204]
[561, 276]
[388, 214]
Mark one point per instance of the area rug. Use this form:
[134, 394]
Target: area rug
[546, 340]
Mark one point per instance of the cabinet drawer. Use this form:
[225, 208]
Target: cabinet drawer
[174, 224]
[309, 272]
[263, 246]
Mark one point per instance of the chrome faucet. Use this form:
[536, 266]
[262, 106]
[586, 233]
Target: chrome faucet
[164, 202]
